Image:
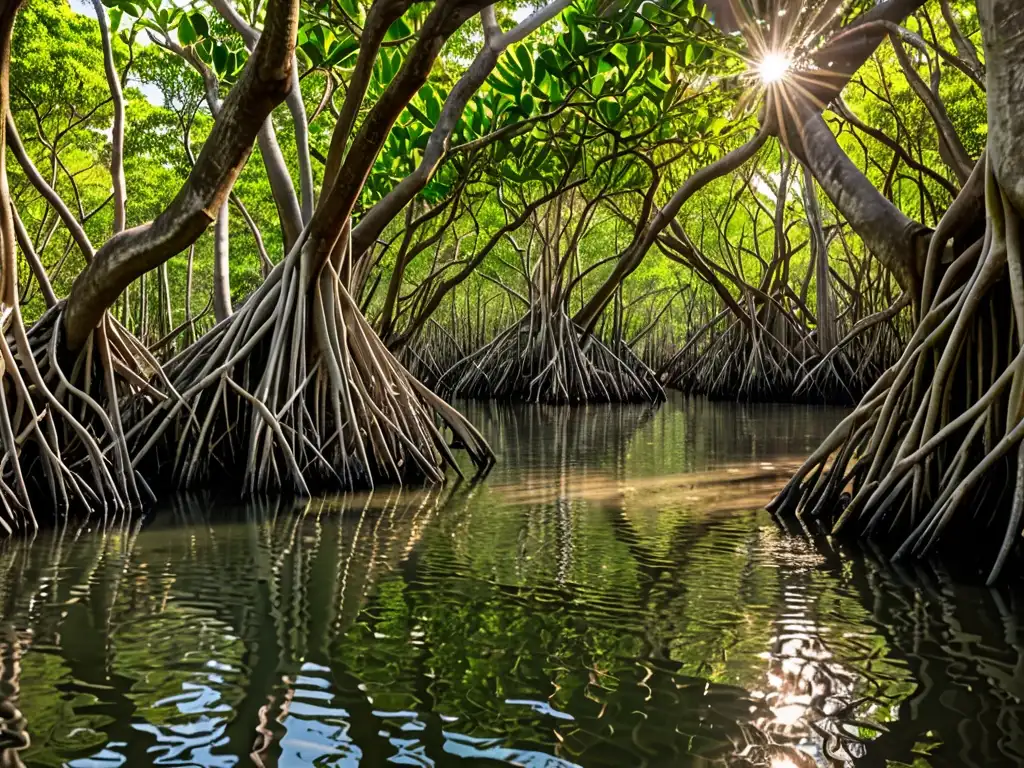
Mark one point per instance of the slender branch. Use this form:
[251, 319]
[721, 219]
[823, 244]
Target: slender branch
[646, 237]
[49, 193]
[117, 132]
[293, 101]
[263, 84]
[495, 43]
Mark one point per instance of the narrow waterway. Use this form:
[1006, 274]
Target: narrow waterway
[612, 594]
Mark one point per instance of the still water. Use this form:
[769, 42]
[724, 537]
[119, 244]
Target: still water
[611, 595]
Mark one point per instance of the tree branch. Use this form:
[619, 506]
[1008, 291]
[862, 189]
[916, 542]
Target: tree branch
[263, 84]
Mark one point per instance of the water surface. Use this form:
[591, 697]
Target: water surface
[611, 595]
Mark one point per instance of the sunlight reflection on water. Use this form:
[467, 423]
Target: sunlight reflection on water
[610, 596]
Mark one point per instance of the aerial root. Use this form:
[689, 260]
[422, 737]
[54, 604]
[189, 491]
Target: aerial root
[542, 359]
[61, 415]
[751, 362]
[295, 390]
[935, 446]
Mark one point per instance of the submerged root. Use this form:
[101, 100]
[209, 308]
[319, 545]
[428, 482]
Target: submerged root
[61, 415]
[541, 359]
[934, 453]
[296, 391]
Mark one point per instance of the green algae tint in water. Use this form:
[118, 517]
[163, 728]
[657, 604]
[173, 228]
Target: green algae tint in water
[610, 596]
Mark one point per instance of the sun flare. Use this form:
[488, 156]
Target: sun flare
[773, 67]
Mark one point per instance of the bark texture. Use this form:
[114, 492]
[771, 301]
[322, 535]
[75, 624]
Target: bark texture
[263, 84]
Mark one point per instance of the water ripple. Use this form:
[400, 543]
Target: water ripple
[612, 595]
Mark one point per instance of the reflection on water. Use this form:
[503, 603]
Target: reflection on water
[610, 596]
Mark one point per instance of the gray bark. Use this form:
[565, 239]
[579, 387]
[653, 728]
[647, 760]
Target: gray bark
[117, 131]
[825, 310]
[291, 214]
[1002, 23]
[896, 240]
[221, 266]
[263, 84]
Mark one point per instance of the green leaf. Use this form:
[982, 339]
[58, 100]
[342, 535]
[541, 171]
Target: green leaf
[115, 18]
[342, 52]
[304, 58]
[541, 156]
[555, 91]
[220, 58]
[417, 113]
[636, 74]
[199, 24]
[398, 30]
[433, 106]
[477, 121]
[186, 32]
[670, 95]
[352, 8]
[540, 70]
[205, 51]
[526, 104]
[578, 41]
[610, 109]
[635, 54]
[386, 70]
[311, 50]
[503, 87]
[525, 62]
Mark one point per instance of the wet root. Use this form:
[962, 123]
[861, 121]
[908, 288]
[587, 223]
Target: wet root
[296, 391]
[62, 443]
[541, 359]
[933, 453]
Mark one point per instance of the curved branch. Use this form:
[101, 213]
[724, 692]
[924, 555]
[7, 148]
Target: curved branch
[117, 132]
[894, 238]
[951, 148]
[291, 214]
[495, 43]
[342, 190]
[843, 110]
[263, 84]
[381, 15]
[642, 243]
[49, 193]
[34, 262]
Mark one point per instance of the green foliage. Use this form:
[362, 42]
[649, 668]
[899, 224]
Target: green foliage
[594, 97]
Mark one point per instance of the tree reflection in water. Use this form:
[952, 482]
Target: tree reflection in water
[582, 606]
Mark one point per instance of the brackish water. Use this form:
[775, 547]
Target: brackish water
[611, 595]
